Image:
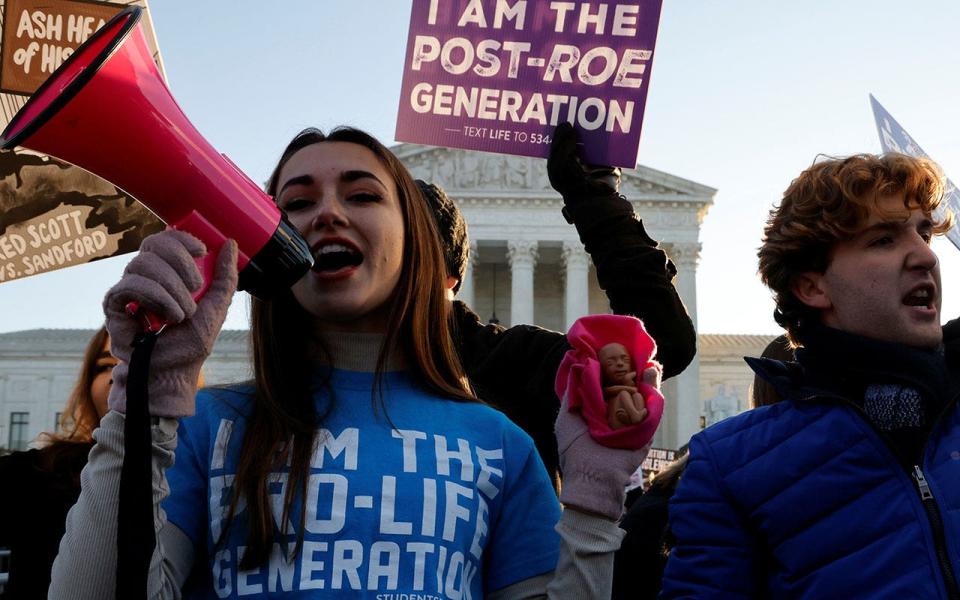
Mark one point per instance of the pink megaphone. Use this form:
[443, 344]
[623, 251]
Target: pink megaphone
[107, 110]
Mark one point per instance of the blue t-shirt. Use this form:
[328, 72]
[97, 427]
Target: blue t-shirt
[445, 500]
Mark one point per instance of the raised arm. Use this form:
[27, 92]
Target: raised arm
[634, 272]
[161, 278]
[593, 492]
[85, 567]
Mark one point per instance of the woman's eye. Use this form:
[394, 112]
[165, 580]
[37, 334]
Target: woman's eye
[296, 204]
[883, 241]
[365, 197]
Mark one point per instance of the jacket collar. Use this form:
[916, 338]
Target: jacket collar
[787, 378]
[836, 363]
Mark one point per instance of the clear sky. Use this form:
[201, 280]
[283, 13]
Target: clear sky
[744, 94]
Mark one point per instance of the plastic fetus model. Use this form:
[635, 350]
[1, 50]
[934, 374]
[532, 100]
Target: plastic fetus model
[584, 376]
[625, 404]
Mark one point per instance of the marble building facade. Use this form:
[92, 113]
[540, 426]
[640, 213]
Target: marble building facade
[39, 367]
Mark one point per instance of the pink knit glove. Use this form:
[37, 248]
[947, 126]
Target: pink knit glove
[594, 476]
[162, 278]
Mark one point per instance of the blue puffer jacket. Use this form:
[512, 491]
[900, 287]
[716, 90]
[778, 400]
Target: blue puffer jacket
[803, 499]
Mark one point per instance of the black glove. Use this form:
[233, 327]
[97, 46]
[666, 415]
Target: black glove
[576, 181]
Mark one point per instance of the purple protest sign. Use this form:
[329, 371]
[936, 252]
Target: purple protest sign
[499, 75]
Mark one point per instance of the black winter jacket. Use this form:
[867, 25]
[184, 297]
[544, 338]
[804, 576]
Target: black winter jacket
[39, 488]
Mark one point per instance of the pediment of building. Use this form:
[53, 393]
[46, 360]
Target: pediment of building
[466, 174]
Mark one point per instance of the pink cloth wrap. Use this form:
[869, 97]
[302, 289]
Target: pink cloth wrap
[580, 379]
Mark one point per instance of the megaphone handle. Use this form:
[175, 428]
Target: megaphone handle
[154, 324]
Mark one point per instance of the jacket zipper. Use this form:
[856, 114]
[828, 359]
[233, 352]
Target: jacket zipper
[936, 523]
[926, 495]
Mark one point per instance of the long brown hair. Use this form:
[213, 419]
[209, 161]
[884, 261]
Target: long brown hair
[79, 417]
[283, 424]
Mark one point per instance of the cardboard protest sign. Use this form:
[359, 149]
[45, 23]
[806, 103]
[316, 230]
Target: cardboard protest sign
[52, 214]
[894, 138]
[38, 35]
[499, 75]
[657, 459]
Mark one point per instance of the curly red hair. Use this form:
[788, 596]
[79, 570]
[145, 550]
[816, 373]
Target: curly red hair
[830, 202]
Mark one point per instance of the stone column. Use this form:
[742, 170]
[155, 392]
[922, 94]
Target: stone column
[522, 255]
[576, 264]
[466, 294]
[688, 408]
[686, 257]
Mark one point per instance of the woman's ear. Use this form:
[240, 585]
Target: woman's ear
[809, 288]
[448, 285]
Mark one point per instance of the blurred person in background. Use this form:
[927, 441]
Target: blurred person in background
[41, 485]
[762, 391]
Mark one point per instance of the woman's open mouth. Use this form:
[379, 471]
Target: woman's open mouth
[335, 259]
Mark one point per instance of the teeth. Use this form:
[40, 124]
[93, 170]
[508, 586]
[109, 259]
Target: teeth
[333, 248]
[920, 297]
